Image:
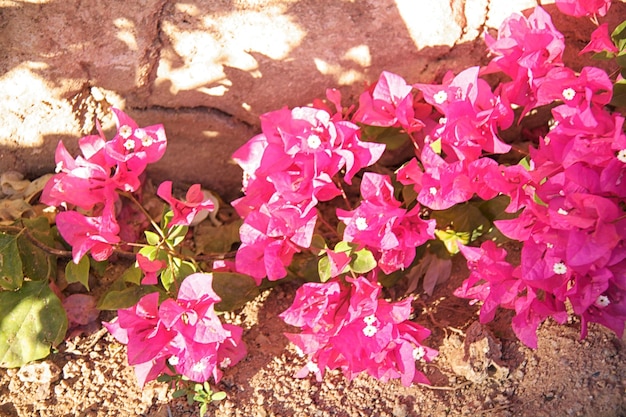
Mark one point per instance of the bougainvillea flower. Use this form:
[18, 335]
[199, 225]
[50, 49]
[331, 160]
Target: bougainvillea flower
[78, 182]
[380, 224]
[271, 236]
[579, 8]
[349, 327]
[135, 147]
[150, 269]
[389, 103]
[185, 211]
[97, 235]
[600, 41]
[140, 328]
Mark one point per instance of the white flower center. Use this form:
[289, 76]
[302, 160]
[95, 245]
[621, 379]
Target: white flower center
[418, 353]
[602, 301]
[443, 120]
[369, 320]
[129, 144]
[140, 133]
[440, 97]
[199, 367]
[313, 141]
[173, 360]
[559, 268]
[312, 366]
[125, 131]
[562, 211]
[369, 330]
[146, 141]
[569, 93]
[621, 155]
[432, 190]
[361, 223]
[225, 363]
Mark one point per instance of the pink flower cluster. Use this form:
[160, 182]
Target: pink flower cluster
[348, 326]
[184, 332]
[288, 169]
[382, 226]
[91, 182]
[572, 220]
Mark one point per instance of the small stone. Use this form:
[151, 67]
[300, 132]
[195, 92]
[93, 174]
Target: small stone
[40, 372]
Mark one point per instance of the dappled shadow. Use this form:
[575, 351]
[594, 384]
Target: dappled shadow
[207, 69]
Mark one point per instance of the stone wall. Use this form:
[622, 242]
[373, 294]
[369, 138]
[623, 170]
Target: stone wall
[207, 69]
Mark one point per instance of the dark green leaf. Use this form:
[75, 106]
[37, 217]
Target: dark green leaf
[211, 239]
[37, 264]
[32, 320]
[11, 275]
[78, 272]
[393, 137]
[234, 289]
[619, 94]
[619, 36]
[125, 298]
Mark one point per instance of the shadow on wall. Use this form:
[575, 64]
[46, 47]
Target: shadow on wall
[207, 69]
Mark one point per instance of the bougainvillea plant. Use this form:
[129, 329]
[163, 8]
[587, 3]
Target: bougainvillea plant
[314, 191]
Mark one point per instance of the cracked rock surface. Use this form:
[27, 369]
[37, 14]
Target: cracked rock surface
[207, 69]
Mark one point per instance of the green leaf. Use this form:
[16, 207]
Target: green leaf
[619, 36]
[132, 275]
[177, 234]
[37, 264]
[203, 409]
[621, 58]
[363, 261]
[619, 94]
[393, 137]
[32, 320]
[152, 238]
[218, 396]
[323, 268]
[210, 239]
[98, 267]
[125, 298]
[318, 244]
[11, 275]
[179, 393]
[78, 272]
[234, 289]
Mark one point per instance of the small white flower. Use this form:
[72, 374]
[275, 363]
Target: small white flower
[546, 140]
[432, 190]
[361, 223]
[621, 156]
[440, 97]
[602, 301]
[173, 360]
[369, 330]
[125, 131]
[129, 144]
[199, 367]
[418, 353]
[225, 363]
[562, 212]
[559, 268]
[140, 133]
[146, 141]
[369, 320]
[443, 120]
[312, 367]
[569, 93]
[549, 245]
[313, 141]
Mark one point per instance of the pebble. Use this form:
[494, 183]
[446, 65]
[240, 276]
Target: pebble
[40, 372]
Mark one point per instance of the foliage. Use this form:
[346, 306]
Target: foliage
[464, 190]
